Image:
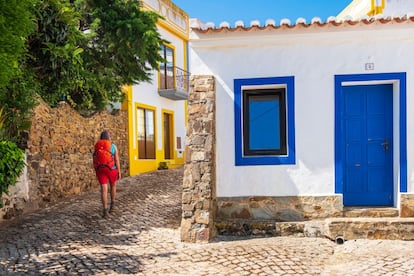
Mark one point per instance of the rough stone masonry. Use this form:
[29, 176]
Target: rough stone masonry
[198, 197]
[59, 156]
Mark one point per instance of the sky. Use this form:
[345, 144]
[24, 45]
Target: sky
[217, 11]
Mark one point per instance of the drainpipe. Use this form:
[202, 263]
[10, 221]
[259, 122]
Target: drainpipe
[339, 240]
[377, 7]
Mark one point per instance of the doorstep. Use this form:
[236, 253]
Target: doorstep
[342, 229]
[374, 212]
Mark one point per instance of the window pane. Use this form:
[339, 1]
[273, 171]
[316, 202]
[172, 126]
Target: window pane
[264, 126]
[146, 133]
[170, 68]
[162, 53]
[150, 134]
[141, 133]
[149, 123]
[167, 68]
[163, 69]
[264, 122]
[169, 56]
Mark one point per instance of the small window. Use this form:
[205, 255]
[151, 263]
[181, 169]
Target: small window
[264, 121]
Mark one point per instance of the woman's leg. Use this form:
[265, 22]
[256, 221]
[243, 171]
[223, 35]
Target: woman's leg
[113, 196]
[104, 197]
[113, 178]
[113, 192]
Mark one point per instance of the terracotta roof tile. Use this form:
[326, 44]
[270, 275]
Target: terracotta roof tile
[300, 23]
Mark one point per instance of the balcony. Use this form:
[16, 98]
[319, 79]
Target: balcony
[174, 83]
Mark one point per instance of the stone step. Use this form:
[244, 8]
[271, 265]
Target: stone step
[355, 223]
[342, 229]
[376, 212]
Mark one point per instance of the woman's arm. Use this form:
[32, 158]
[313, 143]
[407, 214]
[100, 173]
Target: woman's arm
[118, 164]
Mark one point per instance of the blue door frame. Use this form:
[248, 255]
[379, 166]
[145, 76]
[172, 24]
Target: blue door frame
[390, 78]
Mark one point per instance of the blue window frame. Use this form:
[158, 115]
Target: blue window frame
[264, 121]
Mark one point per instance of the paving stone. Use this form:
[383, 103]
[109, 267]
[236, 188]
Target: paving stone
[142, 237]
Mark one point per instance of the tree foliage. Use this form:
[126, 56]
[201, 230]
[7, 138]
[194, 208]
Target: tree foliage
[82, 51]
[17, 89]
[16, 23]
[122, 46]
[124, 38]
[86, 50]
[17, 100]
[55, 51]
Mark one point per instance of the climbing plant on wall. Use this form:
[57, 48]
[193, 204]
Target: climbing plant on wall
[11, 165]
[11, 161]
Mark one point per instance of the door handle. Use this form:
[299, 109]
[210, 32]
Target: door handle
[385, 144]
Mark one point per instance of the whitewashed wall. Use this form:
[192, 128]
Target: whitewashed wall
[398, 7]
[313, 56]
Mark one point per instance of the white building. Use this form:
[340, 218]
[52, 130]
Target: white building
[310, 118]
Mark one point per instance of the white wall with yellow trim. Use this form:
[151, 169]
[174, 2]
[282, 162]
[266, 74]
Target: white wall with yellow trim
[145, 95]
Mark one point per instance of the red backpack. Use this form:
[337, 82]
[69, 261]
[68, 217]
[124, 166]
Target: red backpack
[102, 157]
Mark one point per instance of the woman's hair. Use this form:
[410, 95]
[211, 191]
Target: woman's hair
[105, 135]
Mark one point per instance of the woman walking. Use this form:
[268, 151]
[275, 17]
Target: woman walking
[107, 168]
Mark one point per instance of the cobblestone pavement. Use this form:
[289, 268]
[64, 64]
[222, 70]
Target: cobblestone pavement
[142, 237]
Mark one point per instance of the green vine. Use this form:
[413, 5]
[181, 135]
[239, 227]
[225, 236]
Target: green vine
[11, 165]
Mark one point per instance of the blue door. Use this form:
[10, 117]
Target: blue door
[368, 143]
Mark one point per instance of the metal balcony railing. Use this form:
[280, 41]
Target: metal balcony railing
[174, 83]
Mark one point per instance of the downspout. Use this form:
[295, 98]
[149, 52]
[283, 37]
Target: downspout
[187, 61]
[377, 7]
[129, 107]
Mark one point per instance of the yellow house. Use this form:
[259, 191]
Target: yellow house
[358, 9]
[157, 110]
[361, 8]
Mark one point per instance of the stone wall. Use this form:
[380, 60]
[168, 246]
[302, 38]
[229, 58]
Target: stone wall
[288, 208]
[258, 214]
[59, 156]
[407, 205]
[198, 203]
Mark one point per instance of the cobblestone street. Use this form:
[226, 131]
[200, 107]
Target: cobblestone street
[142, 237]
